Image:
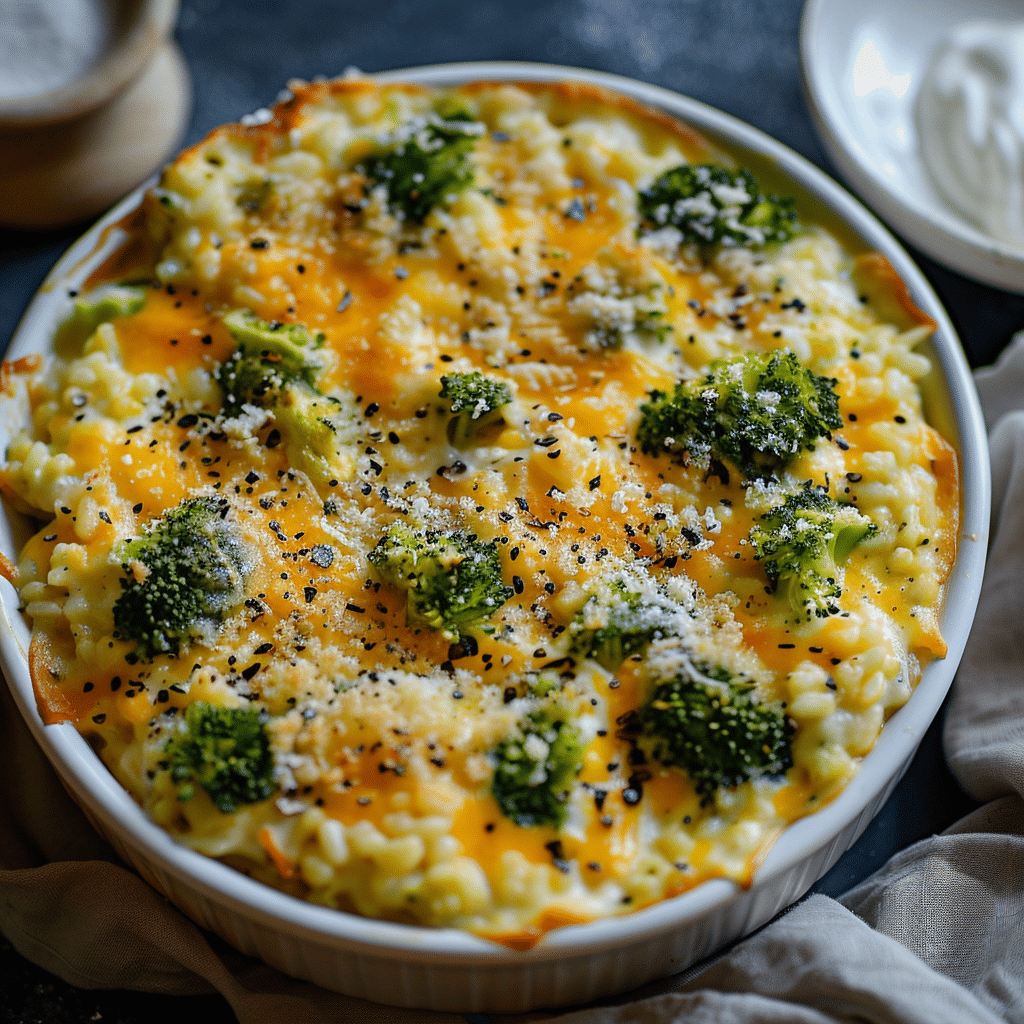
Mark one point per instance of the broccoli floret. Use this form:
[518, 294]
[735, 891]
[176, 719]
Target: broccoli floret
[269, 358]
[224, 750]
[617, 623]
[535, 768]
[253, 194]
[429, 163]
[711, 205]
[620, 301]
[101, 305]
[183, 578]
[803, 543]
[108, 302]
[475, 403]
[715, 729]
[648, 326]
[275, 367]
[611, 331]
[453, 580]
[757, 411]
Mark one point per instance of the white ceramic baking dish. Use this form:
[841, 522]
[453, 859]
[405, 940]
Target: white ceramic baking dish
[450, 970]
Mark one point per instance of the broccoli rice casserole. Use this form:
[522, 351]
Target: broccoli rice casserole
[489, 507]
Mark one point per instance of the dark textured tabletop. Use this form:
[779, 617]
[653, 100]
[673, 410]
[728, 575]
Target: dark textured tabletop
[741, 56]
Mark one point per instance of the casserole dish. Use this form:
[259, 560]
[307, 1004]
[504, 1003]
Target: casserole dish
[448, 969]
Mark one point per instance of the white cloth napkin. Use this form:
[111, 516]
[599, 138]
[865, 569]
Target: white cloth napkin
[935, 937]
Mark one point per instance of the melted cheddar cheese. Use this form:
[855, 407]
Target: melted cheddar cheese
[384, 732]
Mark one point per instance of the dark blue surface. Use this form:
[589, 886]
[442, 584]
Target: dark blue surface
[741, 56]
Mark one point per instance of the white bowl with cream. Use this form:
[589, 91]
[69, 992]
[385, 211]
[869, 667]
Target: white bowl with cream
[451, 970]
[915, 118]
[94, 95]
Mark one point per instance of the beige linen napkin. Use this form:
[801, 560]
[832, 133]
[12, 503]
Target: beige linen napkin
[935, 937]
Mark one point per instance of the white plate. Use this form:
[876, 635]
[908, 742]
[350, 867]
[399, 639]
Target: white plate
[863, 62]
[451, 970]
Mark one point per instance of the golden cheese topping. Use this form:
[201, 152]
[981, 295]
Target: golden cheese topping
[484, 507]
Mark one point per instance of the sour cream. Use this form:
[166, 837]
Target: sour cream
[48, 44]
[970, 121]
